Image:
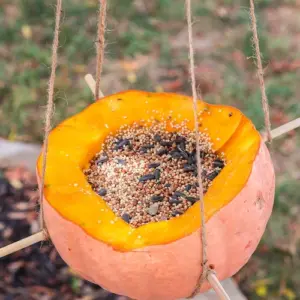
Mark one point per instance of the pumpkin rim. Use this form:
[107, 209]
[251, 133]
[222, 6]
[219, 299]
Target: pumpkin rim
[83, 130]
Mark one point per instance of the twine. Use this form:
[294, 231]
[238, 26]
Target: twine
[260, 72]
[49, 110]
[100, 44]
[205, 268]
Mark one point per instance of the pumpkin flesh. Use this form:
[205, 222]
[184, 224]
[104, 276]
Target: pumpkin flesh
[74, 143]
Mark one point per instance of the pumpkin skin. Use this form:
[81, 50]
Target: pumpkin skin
[158, 260]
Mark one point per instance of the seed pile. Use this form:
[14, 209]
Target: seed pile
[146, 174]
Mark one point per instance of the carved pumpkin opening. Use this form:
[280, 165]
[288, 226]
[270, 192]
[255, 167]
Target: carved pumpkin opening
[147, 172]
[76, 141]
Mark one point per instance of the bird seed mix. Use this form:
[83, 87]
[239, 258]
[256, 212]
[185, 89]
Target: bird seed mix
[147, 174]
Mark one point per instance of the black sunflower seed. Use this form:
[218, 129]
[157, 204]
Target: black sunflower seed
[153, 165]
[121, 143]
[191, 199]
[157, 138]
[121, 161]
[175, 154]
[179, 139]
[146, 177]
[191, 159]
[102, 192]
[189, 168]
[212, 175]
[143, 150]
[149, 146]
[102, 159]
[165, 143]
[157, 198]
[179, 194]
[126, 217]
[188, 187]
[218, 163]
[167, 184]
[157, 174]
[174, 200]
[162, 152]
[176, 213]
[182, 144]
[182, 151]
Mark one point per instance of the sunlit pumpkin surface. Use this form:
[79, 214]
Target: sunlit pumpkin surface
[75, 142]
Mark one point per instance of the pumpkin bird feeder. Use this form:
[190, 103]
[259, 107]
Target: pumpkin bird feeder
[157, 260]
[149, 194]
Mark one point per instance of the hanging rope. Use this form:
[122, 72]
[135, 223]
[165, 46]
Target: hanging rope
[49, 108]
[203, 276]
[100, 44]
[260, 72]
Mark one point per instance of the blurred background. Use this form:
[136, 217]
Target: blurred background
[147, 49]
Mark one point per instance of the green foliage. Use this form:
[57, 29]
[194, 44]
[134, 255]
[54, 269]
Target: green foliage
[75, 284]
[286, 196]
[249, 50]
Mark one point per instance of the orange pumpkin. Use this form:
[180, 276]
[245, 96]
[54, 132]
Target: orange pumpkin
[160, 260]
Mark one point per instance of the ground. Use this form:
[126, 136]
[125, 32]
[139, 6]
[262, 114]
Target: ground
[146, 49]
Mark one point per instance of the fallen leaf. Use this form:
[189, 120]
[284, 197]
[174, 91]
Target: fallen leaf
[289, 294]
[26, 32]
[12, 134]
[261, 290]
[131, 77]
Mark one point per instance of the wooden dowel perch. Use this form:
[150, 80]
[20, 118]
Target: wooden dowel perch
[92, 84]
[14, 247]
[277, 132]
[217, 286]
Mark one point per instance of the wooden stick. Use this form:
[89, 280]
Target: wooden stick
[14, 247]
[277, 132]
[92, 84]
[216, 285]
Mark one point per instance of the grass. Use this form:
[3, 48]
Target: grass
[154, 31]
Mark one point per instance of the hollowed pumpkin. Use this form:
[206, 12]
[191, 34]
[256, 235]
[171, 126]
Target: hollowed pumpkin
[160, 260]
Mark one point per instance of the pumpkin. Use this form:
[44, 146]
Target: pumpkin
[159, 260]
